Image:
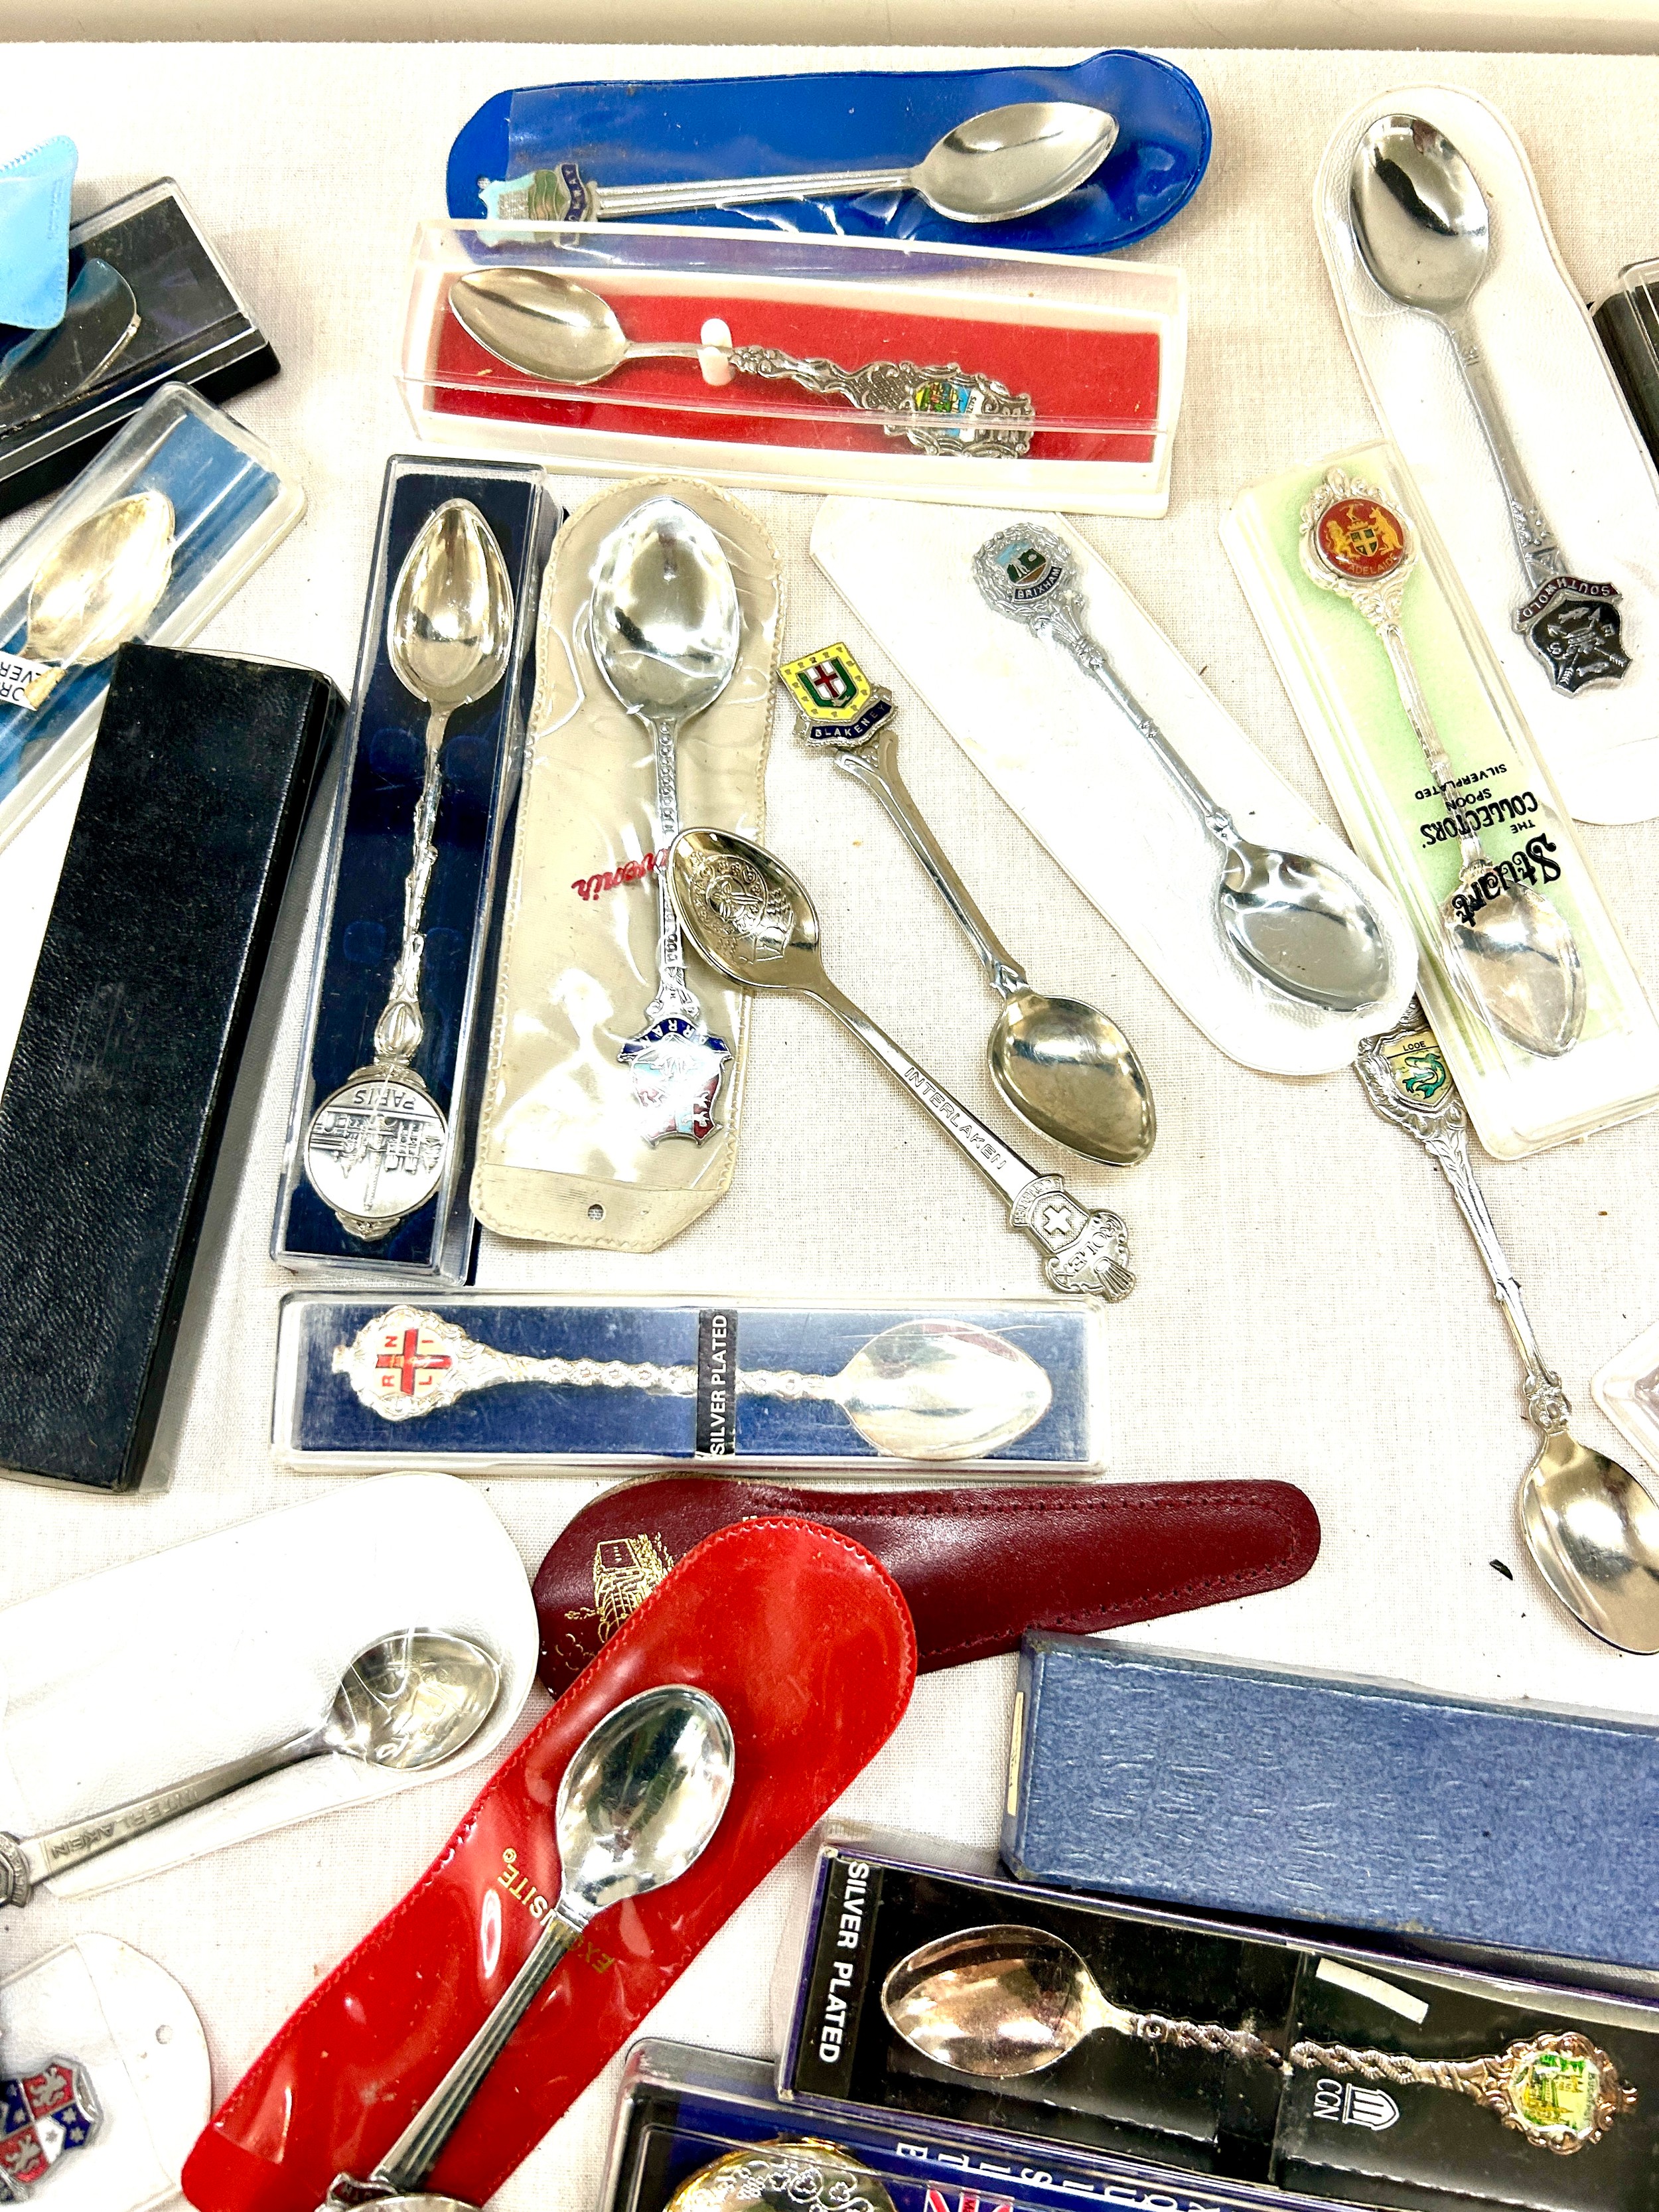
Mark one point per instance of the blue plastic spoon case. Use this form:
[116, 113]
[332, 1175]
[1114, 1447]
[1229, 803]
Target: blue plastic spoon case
[694, 128]
[322, 1426]
[1156, 2126]
[233, 503]
[369, 855]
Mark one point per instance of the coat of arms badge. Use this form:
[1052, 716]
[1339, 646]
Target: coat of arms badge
[42, 2117]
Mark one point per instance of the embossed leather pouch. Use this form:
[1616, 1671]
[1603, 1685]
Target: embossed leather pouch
[978, 1566]
[806, 1641]
[120, 1085]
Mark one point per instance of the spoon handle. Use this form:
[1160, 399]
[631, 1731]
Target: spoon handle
[27, 1860]
[1534, 541]
[675, 997]
[399, 1030]
[418, 2150]
[1421, 718]
[1070, 630]
[1407, 1082]
[618, 203]
[1085, 1252]
[940, 408]
[876, 766]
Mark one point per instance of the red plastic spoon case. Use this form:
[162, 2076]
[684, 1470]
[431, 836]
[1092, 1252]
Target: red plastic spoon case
[807, 1643]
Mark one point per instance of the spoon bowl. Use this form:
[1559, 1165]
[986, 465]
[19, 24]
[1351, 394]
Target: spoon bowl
[543, 324]
[941, 1390]
[1069, 1071]
[667, 628]
[1593, 1531]
[1013, 161]
[1517, 962]
[410, 1700]
[999, 2002]
[1301, 927]
[750, 917]
[1419, 217]
[641, 1797]
[101, 582]
[449, 627]
[786, 2175]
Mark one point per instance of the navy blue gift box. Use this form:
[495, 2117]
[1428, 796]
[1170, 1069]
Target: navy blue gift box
[322, 1426]
[370, 853]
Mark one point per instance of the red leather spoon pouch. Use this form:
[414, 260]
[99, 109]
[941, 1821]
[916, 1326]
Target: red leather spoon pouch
[807, 1643]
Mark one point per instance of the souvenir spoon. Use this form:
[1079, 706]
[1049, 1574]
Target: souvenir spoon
[1002, 2002]
[1592, 1529]
[535, 320]
[1299, 925]
[1509, 952]
[407, 1701]
[97, 588]
[1008, 162]
[752, 919]
[923, 1390]
[1422, 225]
[666, 632]
[43, 370]
[1062, 1066]
[640, 1799]
[375, 1147]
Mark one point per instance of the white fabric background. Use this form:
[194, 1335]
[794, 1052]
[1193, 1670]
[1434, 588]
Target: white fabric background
[1309, 1305]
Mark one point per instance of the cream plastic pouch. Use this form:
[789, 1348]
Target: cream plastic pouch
[612, 1107]
[1556, 393]
[1088, 786]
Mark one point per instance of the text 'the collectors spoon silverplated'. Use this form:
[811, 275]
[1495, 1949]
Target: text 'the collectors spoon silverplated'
[1008, 162]
[1062, 1066]
[639, 1802]
[752, 919]
[1510, 954]
[1592, 1529]
[1002, 2003]
[929, 1390]
[548, 326]
[1423, 231]
[405, 1702]
[375, 1148]
[1296, 922]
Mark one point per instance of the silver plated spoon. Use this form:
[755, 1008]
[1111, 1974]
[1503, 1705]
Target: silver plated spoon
[1423, 231]
[406, 1701]
[1008, 162]
[638, 1804]
[1062, 1066]
[98, 588]
[1592, 1529]
[375, 1148]
[667, 631]
[1508, 951]
[1293, 921]
[928, 1389]
[549, 326]
[44, 370]
[1002, 2003]
[752, 919]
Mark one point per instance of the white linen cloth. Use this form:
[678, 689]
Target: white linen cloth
[1309, 1305]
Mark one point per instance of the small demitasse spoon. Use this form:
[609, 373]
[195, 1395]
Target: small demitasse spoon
[1004, 2002]
[405, 1702]
[98, 588]
[1591, 1528]
[1008, 162]
[1295, 922]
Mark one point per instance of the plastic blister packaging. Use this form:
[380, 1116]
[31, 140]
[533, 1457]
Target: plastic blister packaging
[129, 1681]
[1091, 354]
[697, 128]
[1586, 464]
[129, 2041]
[655, 1381]
[231, 501]
[1271, 2108]
[579, 1141]
[191, 327]
[1627, 1388]
[361, 943]
[1338, 674]
[1067, 761]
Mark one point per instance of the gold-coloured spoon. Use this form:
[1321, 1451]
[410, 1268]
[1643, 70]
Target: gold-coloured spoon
[1592, 1529]
[98, 588]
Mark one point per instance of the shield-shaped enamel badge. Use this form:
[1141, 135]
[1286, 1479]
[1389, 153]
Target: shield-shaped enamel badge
[836, 702]
[676, 1066]
[42, 2116]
